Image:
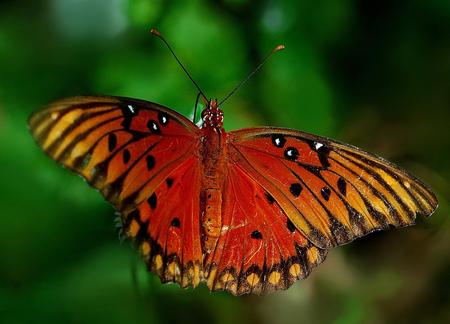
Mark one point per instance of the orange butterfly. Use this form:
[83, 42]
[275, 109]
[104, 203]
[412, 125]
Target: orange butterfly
[251, 210]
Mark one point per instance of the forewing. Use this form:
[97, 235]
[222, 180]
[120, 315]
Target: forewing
[142, 157]
[123, 147]
[332, 192]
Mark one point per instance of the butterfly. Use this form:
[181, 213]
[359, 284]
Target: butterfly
[246, 211]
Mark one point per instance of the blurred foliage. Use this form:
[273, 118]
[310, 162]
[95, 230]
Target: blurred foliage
[372, 73]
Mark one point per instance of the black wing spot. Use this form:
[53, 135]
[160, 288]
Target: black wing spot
[175, 222]
[169, 182]
[163, 118]
[291, 153]
[325, 192]
[112, 142]
[342, 186]
[291, 227]
[152, 201]
[128, 112]
[323, 158]
[269, 197]
[150, 162]
[126, 156]
[278, 140]
[296, 189]
[135, 214]
[153, 127]
[256, 235]
[322, 152]
[142, 234]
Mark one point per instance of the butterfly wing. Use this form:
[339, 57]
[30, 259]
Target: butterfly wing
[332, 192]
[289, 196]
[259, 249]
[141, 157]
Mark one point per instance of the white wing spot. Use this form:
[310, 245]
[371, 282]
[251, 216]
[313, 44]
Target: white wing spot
[131, 108]
[277, 141]
[318, 145]
[407, 185]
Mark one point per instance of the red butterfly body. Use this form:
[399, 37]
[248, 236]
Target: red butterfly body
[251, 210]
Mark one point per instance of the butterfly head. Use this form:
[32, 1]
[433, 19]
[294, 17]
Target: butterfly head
[212, 115]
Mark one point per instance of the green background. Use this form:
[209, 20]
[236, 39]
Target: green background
[372, 73]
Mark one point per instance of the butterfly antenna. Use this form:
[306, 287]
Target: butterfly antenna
[276, 49]
[155, 32]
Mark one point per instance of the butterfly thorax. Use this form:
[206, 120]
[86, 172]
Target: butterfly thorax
[213, 154]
